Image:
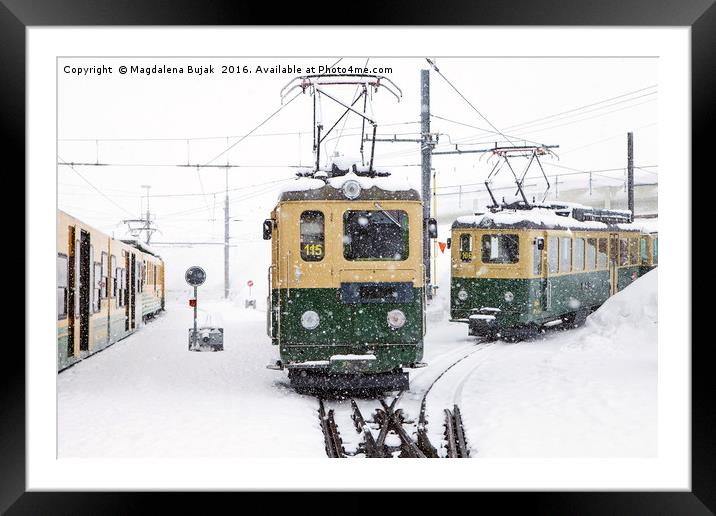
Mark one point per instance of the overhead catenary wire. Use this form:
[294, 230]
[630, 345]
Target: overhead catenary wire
[530, 122]
[95, 188]
[432, 64]
[197, 138]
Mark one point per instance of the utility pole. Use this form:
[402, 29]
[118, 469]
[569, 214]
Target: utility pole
[426, 165]
[149, 233]
[630, 173]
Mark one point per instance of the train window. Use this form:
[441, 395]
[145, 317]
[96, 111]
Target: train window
[500, 248]
[644, 254]
[117, 288]
[565, 254]
[113, 272]
[96, 286]
[122, 286]
[634, 251]
[312, 236]
[553, 254]
[591, 256]
[105, 276]
[465, 247]
[655, 250]
[578, 254]
[623, 252]
[62, 273]
[375, 235]
[602, 254]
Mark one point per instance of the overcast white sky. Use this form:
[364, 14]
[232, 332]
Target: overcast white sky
[509, 92]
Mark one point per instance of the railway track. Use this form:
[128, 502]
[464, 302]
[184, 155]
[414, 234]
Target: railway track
[390, 432]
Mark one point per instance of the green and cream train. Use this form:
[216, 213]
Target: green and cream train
[347, 281]
[106, 289]
[517, 271]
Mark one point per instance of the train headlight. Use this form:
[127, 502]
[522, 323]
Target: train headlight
[396, 319]
[310, 319]
[509, 296]
[351, 189]
[462, 295]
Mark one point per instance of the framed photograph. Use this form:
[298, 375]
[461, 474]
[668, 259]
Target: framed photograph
[280, 245]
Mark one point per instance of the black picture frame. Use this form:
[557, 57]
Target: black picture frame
[17, 15]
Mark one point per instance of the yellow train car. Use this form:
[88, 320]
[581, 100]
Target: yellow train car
[105, 289]
[516, 271]
[347, 282]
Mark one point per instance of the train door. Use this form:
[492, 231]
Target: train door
[139, 289]
[613, 263]
[552, 267]
[278, 271]
[85, 290]
[72, 257]
[539, 269]
[132, 291]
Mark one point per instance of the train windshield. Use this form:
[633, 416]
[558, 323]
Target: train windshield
[500, 248]
[375, 235]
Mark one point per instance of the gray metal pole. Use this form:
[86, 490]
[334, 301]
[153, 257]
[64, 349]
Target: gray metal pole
[630, 172]
[196, 302]
[426, 163]
[226, 238]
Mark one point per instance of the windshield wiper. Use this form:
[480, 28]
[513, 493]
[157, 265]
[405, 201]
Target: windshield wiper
[388, 215]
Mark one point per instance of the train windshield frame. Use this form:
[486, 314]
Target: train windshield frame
[381, 235]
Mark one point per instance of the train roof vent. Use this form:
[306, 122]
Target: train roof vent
[602, 215]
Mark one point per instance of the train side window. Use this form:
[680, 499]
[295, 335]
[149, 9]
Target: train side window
[465, 247]
[113, 272]
[591, 254]
[578, 254]
[62, 285]
[312, 236]
[553, 254]
[634, 251]
[602, 254]
[96, 281]
[644, 254]
[655, 250]
[565, 254]
[117, 287]
[105, 276]
[123, 286]
[500, 248]
[623, 252]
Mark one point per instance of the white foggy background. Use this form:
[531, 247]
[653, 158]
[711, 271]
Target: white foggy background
[143, 121]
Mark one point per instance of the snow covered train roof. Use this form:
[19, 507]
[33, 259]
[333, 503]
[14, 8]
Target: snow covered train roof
[322, 187]
[140, 245]
[535, 218]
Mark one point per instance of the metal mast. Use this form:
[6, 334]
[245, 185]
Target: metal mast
[426, 165]
[630, 173]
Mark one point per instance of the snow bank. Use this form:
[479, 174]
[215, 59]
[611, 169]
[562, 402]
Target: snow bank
[628, 318]
[589, 392]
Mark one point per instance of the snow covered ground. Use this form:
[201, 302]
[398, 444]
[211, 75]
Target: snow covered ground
[585, 392]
